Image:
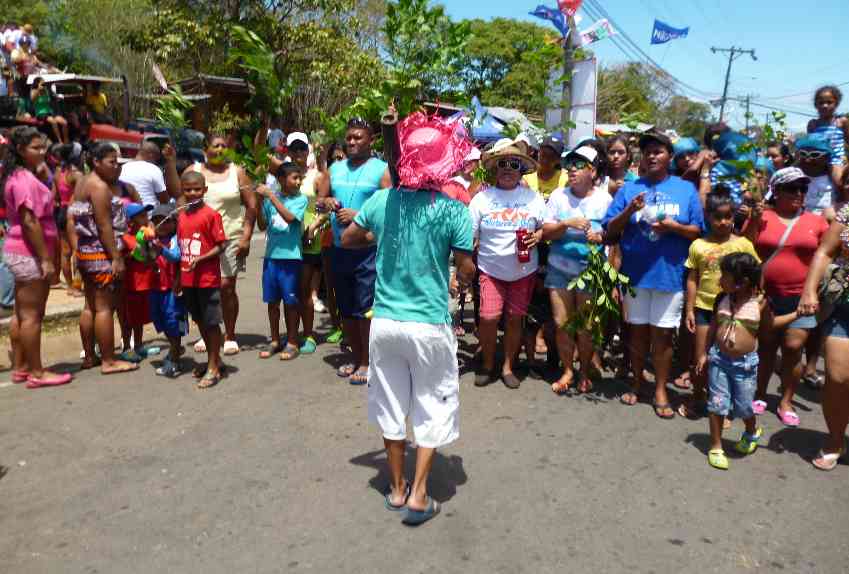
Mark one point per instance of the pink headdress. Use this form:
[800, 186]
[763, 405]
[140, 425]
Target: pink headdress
[432, 150]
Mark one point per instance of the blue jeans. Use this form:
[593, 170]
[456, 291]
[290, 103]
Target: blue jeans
[731, 383]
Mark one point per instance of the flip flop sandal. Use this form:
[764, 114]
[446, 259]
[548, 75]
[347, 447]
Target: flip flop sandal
[483, 379]
[130, 368]
[19, 377]
[37, 383]
[660, 407]
[346, 371]
[683, 383]
[585, 386]
[814, 381]
[759, 407]
[200, 346]
[633, 391]
[829, 460]
[560, 388]
[271, 351]
[334, 337]
[392, 507]
[230, 348]
[789, 418]
[360, 377]
[289, 353]
[208, 381]
[131, 356]
[417, 517]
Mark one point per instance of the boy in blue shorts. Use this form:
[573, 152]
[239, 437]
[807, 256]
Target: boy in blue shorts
[281, 217]
[166, 304]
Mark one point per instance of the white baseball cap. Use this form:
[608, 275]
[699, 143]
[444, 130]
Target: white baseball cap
[473, 155]
[297, 137]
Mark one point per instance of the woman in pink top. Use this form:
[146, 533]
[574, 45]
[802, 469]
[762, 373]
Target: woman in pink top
[785, 266]
[29, 251]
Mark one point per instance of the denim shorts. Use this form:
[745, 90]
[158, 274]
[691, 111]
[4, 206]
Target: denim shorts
[703, 317]
[837, 325]
[557, 279]
[731, 384]
[788, 304]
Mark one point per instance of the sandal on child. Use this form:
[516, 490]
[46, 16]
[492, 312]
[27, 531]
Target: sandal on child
[230, 348]
[289, 352]
[272, 350]
[759, 407]
[717, 459]
[168, 369]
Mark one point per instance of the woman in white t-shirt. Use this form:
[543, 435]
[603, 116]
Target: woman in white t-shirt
[573, 221]
[507, 269]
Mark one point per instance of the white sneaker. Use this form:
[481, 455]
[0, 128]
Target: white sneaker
[319, 305]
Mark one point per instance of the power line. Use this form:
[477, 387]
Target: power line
[805, 93]
[593, 6]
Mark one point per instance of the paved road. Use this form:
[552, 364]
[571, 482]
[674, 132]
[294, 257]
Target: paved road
[277, 470]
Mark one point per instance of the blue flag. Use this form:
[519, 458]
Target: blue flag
[554, 15]
[662, 33]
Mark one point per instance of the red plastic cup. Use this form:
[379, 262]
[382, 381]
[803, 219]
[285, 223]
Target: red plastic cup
[522, 251]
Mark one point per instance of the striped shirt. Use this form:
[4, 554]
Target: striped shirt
[833, 134]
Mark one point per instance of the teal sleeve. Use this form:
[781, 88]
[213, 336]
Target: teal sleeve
[365, 216]
[462, 236]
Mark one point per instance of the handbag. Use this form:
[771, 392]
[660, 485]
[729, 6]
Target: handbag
[832, 290]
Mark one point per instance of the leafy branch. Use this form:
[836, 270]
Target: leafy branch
[170, 109]
[253, 158]
[601, 280]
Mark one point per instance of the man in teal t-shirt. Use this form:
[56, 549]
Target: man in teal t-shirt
[413, 349]
[281, 217]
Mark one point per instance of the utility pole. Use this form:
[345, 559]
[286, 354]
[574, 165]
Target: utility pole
[568, 66]
[733, 54]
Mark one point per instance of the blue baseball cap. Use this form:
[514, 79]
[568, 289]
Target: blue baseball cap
[685, 145]
[134, 209]
[813, 142]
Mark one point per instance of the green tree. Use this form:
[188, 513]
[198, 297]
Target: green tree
[509, 62]
[632, 89]
[685, 116]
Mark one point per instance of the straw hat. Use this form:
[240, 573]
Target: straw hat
[504, 149]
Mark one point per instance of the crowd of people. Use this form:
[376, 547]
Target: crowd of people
[725, 264]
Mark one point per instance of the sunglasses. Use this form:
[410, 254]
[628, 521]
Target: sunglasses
[812, 154]
[513, 164]
[576, 164]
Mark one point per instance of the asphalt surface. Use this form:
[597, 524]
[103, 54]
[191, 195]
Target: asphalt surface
[277, 470]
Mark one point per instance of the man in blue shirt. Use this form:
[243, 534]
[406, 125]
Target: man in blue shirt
[352, 182]
[414, 371]
[654, 219]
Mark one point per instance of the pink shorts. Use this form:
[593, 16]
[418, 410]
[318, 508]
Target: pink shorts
[514, 295]
[23, 267]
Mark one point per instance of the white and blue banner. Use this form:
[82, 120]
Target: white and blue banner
[663, 33]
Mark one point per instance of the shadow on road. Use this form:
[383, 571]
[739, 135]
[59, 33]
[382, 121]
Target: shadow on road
[446, 475]
[803, 442]
[4, 470]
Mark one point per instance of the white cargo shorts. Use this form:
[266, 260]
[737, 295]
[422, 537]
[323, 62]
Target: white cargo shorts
[413, 373]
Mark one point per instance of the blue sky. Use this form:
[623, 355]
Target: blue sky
[800, 45]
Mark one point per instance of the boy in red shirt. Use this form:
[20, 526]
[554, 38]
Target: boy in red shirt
[201, 235]
[139, 279]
